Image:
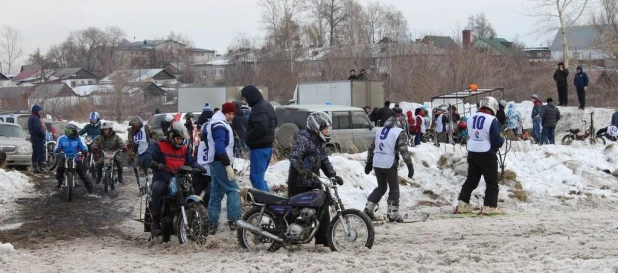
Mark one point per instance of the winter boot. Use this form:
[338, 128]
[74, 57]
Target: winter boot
[463, 207]
[393, 211]
[213, 230]
[370, 208]
[232, 225]
[99, 176]
[491, 211]
[120, 177]
[35, 167]
[88, 186]
[156, 229]
[43, 167]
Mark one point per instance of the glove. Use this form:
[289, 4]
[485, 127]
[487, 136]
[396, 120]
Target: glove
[230, 173]
[410, 171]
[368, 168]
[339, 180]
[202, 169]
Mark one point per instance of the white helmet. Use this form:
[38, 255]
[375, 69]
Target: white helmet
[489, 102]
[318, 121]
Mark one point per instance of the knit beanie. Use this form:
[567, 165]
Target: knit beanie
[206, 107]
[228, 107]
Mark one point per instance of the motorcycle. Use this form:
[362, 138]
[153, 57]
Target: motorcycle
[182, 214]
[274, 221]
[70, 171]
[109, 170]
[587, 136]
[89, 158]
[50, 157]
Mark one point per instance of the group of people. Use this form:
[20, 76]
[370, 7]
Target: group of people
[361, 76]
[580, 81]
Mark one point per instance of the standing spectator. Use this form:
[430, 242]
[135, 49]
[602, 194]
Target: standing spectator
[536, 118]
[367, 110]
[581, 85]
[442, 126]
[420, 127]
[157, 111]
[260, 135]
[205, 116]
[37, 129]
[353, 75]
[513, 120]
[560, 77]
[239, 126]
[363, 75]
[375, 115]
[166, 123]
[397, 110]
[550, 115]
[501, 115]
[385, 112]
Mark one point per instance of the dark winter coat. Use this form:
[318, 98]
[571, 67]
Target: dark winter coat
[262, 120]
[550, 115]
[91, 130]
[308, 155]
[581, 79]
[204, 117]
[560, 77]
[615, 119]
[501, 116]
[384, 113]
[239, 123]
[353, 77]
[536, 110]
[35, 126]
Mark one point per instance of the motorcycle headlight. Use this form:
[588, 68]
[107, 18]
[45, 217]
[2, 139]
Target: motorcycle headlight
[25, 149]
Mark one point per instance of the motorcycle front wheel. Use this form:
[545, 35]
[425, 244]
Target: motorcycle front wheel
[70, 183]
[248, 240]
[106, 181]
[567, 140]
[360, 231]
[197, 229]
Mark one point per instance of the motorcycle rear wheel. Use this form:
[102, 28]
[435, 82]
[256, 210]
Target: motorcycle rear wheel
[248, 240]
[360, 228]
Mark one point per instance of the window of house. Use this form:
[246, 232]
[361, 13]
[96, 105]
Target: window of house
[73, 83]
[360, 120]
[341, 120]
[91, 82]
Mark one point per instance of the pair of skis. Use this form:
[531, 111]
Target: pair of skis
[406, 220]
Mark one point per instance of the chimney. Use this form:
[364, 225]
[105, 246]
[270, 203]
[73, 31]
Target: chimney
[466, 38]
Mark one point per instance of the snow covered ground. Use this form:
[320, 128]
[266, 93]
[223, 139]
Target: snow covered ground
[561, 199]
[13, 185]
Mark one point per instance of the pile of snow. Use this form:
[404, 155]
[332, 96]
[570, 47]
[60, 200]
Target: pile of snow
[6, 248]
[13, 185]
[546, 174]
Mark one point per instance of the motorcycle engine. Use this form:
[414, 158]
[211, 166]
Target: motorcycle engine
[299, 229]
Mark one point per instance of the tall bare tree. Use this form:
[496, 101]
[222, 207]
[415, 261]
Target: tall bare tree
[10, 47]
[606, 23]
[281, 18]
[480, 27]
[335, 14]
[555, 15]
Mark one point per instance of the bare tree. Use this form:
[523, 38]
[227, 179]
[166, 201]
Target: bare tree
[334, 13]
[606, 23]
[480, 27]
[555, 15]
[374, 20]
[281, 18]
[395, 24]
[10, 47]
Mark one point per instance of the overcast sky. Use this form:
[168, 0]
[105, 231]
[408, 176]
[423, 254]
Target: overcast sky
[212, 24]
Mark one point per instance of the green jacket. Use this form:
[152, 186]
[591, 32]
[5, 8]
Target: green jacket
[109, 143]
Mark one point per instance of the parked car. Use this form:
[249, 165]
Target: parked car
[155, 121]
[13, 142]
[19, 117]
[351, 132]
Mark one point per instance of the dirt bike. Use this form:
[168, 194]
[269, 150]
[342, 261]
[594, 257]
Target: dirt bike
[109, 170]
[89, 158]
[588, 136]
[70, 171]
[274, 221]
[182, 214]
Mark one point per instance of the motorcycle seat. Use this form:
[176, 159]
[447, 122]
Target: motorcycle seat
[265, 197]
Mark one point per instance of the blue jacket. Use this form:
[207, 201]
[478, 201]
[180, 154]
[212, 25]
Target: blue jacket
[70, 146]
[91, 130]
[581, 79]
[222, 138]
[35, 128]
[154, 153]
[494, 136]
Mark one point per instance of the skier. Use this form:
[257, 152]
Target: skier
[484, 142]
[383, 157]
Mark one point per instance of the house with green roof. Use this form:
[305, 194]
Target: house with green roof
[497, 46]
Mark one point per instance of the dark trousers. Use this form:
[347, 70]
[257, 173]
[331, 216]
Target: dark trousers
[202, 183]
[159, 190]
[387, 178]
[320, 236]
[563, 95]
[38, 151]
[486, 165]
[79, 169]
[581, 96]
[549, 135]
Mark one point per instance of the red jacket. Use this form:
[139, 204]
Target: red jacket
[410, 120]
[420, 118]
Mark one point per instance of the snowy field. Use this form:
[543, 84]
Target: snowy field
[562, 203]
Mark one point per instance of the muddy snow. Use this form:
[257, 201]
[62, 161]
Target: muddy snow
[561, 202]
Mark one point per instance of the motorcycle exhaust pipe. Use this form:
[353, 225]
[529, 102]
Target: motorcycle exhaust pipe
[244, 225]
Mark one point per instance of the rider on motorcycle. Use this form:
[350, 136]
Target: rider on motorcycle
[109, 142]
[307, 157]
[92, 129]
[70, 144]
[166, 153]
[140, 136]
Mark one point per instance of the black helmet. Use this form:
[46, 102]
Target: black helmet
[71, 131]
[176, 130]
[189, 116]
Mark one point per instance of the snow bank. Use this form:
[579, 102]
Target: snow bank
[6, 248]
[13, 185]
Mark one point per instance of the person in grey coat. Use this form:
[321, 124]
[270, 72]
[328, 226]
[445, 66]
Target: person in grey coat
[550, 115]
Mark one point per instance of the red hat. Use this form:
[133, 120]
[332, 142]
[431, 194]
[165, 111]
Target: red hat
[228, 107]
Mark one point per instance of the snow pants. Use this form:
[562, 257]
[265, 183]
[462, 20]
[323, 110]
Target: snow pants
[486, 165]
[387, 178]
